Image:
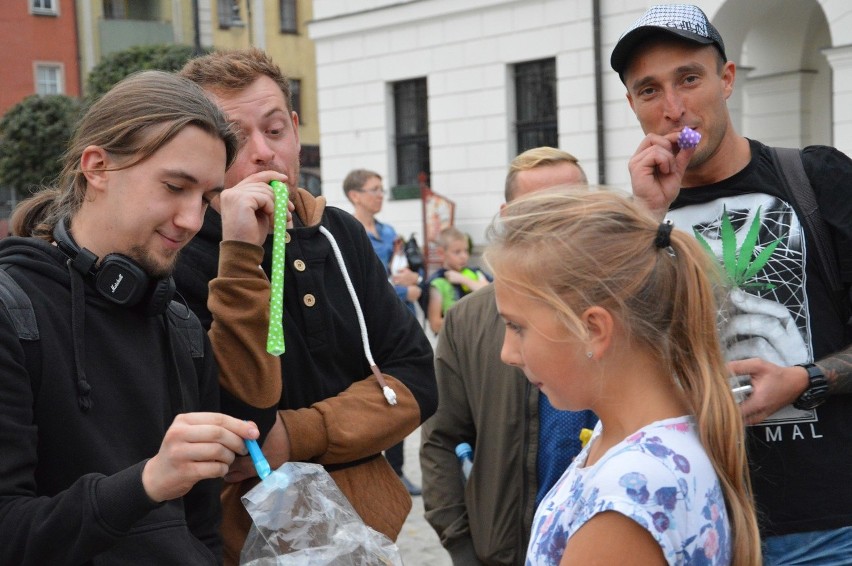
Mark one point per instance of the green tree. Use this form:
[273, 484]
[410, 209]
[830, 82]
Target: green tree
[118, 65]
[33, 136]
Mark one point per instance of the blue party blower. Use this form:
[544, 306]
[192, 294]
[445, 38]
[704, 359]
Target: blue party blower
[258, 459]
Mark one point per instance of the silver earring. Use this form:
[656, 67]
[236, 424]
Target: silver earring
[589, 355]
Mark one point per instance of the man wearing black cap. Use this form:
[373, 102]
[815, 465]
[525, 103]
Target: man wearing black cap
[784, 320]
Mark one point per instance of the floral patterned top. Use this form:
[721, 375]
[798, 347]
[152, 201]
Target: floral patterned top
[660, 477]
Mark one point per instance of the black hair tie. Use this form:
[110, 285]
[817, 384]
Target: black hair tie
[663, 237]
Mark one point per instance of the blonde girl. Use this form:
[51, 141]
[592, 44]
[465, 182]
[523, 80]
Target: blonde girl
[609, 310]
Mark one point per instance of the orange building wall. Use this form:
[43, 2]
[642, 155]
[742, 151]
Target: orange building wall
[25, 38]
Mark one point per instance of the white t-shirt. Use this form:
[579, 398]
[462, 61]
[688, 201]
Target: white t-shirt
[398, 263]
[660, 477]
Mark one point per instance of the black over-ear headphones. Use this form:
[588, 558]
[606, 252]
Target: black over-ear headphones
[119, 279]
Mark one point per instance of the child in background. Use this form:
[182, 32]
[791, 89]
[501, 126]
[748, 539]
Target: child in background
[607, 309]
[455, 279]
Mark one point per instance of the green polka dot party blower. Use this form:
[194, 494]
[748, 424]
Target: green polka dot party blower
[275, 337]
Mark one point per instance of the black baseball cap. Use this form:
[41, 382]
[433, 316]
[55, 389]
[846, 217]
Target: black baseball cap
[679, 20]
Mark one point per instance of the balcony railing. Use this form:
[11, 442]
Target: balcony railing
[117, 35]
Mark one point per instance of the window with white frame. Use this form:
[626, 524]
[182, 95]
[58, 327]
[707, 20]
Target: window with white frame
[115, 9]
[45, 7]
[229, 14]
[49, 78]
[288, 16]
[225, 12]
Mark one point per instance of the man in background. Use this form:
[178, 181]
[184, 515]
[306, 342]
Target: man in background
[521, 444]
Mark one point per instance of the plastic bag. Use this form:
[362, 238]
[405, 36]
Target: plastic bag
[300, 517]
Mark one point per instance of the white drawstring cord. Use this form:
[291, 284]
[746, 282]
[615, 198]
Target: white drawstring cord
[389, 393]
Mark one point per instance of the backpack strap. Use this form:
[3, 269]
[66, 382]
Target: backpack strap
[189, 328]
[18, 306]
[189, 335]
[788, 165]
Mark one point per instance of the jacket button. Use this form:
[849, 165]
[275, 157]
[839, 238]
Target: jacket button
[299, 265]
[286, 237]
[310, 300]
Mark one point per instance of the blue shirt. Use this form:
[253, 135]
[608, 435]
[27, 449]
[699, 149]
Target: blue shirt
[383, 246]
[558, 442]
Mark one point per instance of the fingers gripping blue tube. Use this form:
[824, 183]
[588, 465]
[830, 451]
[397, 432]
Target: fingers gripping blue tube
[258, 459]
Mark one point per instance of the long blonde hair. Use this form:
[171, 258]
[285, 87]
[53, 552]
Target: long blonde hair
[573, 248]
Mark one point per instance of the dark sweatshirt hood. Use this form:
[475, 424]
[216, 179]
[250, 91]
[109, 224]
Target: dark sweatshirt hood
[46, 260]
[35, 254]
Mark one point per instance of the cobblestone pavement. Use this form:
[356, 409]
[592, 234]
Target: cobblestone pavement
[418, 544]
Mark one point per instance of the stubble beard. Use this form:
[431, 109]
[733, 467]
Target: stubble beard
[705, 153]
[154, 268]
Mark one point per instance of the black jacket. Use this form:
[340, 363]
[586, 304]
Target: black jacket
[331, 405]
[70, 477]
[324, 355]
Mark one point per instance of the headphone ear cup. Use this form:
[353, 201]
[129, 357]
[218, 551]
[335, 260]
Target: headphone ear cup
[121, 280]
[161, 295]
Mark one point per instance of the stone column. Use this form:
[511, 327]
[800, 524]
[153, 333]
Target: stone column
[840, 60]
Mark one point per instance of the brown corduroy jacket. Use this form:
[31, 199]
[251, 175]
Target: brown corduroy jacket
[345, 432]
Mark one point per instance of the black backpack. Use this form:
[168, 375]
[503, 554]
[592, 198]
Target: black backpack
[788, 165]
[413, 254]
